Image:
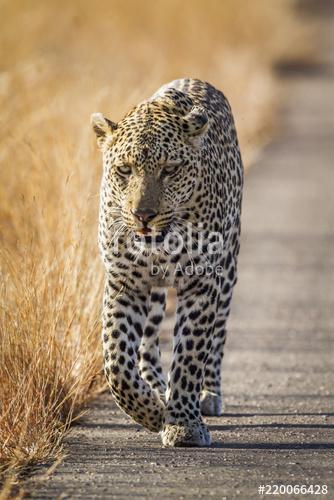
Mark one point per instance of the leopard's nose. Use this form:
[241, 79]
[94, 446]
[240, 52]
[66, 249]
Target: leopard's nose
[145, 215]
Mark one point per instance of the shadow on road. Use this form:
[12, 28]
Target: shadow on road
[288, 414]
[274, 446]
[273, 425]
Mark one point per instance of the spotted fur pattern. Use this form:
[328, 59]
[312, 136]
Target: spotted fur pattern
[171, 163]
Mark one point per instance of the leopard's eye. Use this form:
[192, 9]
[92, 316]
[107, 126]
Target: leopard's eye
[124, 170]
[170, 169]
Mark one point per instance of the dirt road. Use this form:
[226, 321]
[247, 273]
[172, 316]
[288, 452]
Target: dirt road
[278, 372]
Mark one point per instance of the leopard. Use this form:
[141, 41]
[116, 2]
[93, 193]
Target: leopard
[169, 218]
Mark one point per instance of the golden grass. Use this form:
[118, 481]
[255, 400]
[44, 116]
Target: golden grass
[60, 61]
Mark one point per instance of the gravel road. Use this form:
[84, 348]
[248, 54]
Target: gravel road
[278, 372]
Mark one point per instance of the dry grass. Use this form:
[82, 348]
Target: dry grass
[61, 61]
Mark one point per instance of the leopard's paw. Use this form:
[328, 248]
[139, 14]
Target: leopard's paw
[211, 404]
[186, 435]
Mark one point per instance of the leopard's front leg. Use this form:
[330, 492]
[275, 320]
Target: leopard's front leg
[124, 316]
[150, 368]
[183, 424]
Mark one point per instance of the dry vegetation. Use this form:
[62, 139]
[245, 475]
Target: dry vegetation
[59, 62]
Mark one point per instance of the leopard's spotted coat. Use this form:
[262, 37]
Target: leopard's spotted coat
[173, 161]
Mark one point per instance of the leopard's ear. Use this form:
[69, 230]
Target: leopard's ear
[173, 100]
[102, 127]
[195, 125]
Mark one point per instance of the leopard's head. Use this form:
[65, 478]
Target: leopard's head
[152, 161]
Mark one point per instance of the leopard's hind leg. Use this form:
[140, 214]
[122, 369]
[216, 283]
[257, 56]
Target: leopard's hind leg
[211, 394]
[212, 403]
